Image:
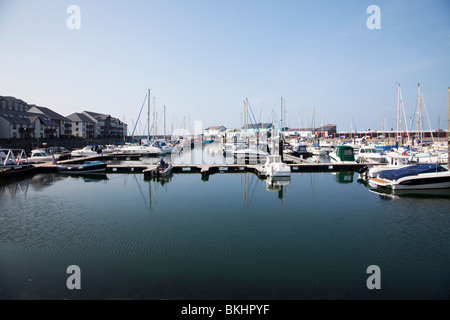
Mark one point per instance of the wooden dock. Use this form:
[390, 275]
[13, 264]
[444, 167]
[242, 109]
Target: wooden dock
[296, 164]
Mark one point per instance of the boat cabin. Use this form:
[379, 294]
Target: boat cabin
[345, 153]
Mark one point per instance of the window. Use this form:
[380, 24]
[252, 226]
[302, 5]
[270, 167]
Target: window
[14, 126]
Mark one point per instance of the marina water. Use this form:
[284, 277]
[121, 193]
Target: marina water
[234, 236]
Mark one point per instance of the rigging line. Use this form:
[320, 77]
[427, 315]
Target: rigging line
[145, 99]
[251, 110]
[140, 190]
[254, 188]
[428, 118]
[413, 119]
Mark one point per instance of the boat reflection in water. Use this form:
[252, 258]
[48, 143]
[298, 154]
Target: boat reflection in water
[91, 177]
[343, 177]
[413, 193]
[278, 184]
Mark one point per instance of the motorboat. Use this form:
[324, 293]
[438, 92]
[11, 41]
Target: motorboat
[317, 150]
[274, 167]
[301, 151]
[162, 170]
[370, 155]
[144, 149]
[40, 156]
[231, 147]
[394, 161]
[343, 154]
[163, 146]
[86, 167]
[251, 153]
[419, 176]
[90, 150]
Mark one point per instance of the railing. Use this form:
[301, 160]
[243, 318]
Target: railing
[13, 158]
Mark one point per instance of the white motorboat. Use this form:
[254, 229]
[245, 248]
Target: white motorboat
[369, 154]
[231, 147]
[419, 176]
[90, 150]
[394, 161]
[163, 146]
[144, 149]
[252, 152]
[40, 156]
[274, 167]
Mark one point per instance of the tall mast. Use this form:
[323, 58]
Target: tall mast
[420, 118]
[281, 118]
[164, 122]
[148, 115]
[398, 111]
[448, 119]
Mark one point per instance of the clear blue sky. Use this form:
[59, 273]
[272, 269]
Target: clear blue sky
[202, 58]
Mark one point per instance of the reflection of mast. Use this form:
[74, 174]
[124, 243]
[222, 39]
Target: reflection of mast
[148, 116]
[246, 189]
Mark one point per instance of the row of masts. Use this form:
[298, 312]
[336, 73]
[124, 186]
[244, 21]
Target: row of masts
[282, 118]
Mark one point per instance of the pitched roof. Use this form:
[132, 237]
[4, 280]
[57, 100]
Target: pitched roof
[97, 115]
[15, 116]
[51, 114]
[215, 127]
[80, 117]
[259, 126]
[26, 117]
[44, 119]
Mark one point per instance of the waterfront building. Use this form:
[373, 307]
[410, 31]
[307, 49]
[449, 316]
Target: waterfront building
[82, 126]
[64, 125]
[106, 126]
[215, 132]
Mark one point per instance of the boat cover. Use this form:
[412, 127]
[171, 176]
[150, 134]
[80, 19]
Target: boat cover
[413, 170]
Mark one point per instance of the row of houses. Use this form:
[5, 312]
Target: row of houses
[20, 120]
[266, 129]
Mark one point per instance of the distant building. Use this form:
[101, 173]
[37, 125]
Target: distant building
[215, 131]
[82, 126]
[25, 125]
[13, 104]
[107, 126]
[323, 131]
[260, 128]
[20, 120]
[64, 129]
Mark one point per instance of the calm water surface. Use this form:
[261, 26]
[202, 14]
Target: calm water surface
[231, 237]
